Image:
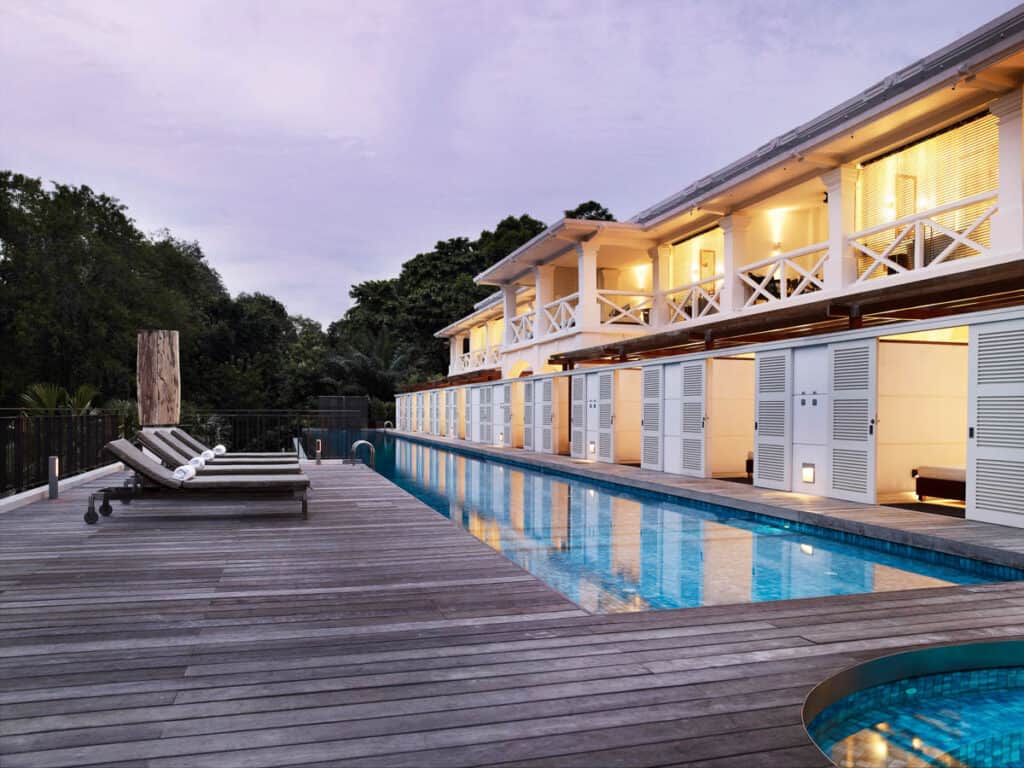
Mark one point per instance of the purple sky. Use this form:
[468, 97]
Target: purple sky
[310, 145]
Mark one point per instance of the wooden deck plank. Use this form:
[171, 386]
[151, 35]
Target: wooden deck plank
[378, 633]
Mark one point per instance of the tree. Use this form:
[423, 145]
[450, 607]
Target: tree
[592, 210]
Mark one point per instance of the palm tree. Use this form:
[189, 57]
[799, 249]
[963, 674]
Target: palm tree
[44, 399]
[370, 363]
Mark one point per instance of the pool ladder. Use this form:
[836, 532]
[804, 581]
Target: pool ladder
[355, 448]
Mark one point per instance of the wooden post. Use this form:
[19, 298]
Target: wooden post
[158, 376]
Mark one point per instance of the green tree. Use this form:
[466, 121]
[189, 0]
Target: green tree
[592, 210]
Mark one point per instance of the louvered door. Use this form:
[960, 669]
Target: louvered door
[606, 416]
[692, 413]
[506, 415]
[420, 422]
[672, 419]
[772, 419]
[995, 444]
[472, 414]
[486, 394]
[528, 425]
[853, 378]
[547, 413]
[578, 428]
[651, 420]
[452, 402]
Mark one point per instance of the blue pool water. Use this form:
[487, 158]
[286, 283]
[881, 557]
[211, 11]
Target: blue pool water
[967, 719]
[610, 549]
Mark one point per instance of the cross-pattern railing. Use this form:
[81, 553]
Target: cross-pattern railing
[625, 307]
[561, 313]
[522, 327]
[924, 240]
[785, 276]
[477, 358]
[693, 300]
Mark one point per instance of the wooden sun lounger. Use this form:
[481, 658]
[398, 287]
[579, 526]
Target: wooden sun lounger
[187, 440]
[173, 456]
[152, 479]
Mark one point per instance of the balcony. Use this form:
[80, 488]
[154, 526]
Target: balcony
[561, 314]
[787, 276]
[476, 360]
[693, 300]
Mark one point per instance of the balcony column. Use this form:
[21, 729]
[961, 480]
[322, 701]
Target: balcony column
[1008, 221]
[661, 261]
[735, 254]
[588, 312]
[544, 293]
[841, 266]
[508, 297]
[454, 347]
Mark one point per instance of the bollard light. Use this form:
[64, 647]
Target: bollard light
[54, 472]
[319, 446]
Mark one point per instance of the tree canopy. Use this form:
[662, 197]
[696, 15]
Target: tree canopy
[78, 279]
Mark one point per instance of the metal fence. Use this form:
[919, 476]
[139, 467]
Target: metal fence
[264, 430]
[27, 442]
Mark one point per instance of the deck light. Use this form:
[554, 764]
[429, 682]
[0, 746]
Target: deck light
[807, 473]
[591, 447]
[501, 438]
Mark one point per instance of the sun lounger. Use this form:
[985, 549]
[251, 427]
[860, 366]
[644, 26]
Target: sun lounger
[183, 449]
[941, 483]
[171, 458]
[187, 440]
[155, 479]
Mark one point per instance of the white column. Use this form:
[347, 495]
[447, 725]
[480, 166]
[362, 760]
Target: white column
[544, 290]
[841, 267]
[661, 261]
[736, 254]
[454, 345]
[1008, 221]
[588, 315]
[508, 296]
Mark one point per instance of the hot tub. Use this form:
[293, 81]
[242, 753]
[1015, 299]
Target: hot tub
[956, 706]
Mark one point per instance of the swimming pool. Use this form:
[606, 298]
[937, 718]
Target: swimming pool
[609, 549]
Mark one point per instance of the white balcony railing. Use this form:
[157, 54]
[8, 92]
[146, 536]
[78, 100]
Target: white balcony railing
[925, 240]
[625, 307]
[693, 300]
[561, 313]
[785, 276]
[476, 359]
[522, 327]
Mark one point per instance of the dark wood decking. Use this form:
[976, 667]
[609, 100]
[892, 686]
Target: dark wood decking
[378, 634]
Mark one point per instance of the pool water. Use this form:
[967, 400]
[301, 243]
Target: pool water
[966, 719]
[609, 549]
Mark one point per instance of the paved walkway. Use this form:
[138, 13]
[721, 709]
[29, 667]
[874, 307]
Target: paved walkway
[377, 633]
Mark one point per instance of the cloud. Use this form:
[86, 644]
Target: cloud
[311, 145]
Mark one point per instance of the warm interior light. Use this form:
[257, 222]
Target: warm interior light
[591, 448]
[807, 549]
[807, 473]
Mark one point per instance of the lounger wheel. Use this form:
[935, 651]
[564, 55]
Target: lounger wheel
[91, 517]
[106, 509]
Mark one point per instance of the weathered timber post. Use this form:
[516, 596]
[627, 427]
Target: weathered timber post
[158, 376]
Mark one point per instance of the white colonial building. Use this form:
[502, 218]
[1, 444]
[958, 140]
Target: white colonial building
[840, 312]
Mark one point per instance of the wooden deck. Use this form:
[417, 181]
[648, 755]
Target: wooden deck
[379, 634]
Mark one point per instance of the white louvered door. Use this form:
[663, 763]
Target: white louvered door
[995, 437]
[772, 419]
[528, 415]
[853, 378]
[547, 410]
[472, 414]
[606, 416]
[672, 418]
[651, 420]
[506, 415]
[451, 400]
[486, 413]
[692, 413]
[578, 431]
[420, 423]
[433, 412]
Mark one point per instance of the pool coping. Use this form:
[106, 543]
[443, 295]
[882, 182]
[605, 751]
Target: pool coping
[960, 537]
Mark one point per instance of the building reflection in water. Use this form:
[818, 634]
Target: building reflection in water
[620, 553]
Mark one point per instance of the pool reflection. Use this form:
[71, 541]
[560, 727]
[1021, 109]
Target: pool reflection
[615, 552]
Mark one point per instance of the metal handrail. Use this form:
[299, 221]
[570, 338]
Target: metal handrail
[387, 424]
[373, 452]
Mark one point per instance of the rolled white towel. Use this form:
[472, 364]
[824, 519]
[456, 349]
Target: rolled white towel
[219, 450]
[197, 461]
[206, 455]
[185, 472]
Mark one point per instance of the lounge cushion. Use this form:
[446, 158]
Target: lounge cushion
[955, 474]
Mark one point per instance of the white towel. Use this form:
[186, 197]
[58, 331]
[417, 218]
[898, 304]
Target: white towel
[219, 450]
[185, 472]
[206, 455]
[197, 461]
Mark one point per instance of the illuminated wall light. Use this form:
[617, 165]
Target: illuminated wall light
[591, 447]
[807, 473]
